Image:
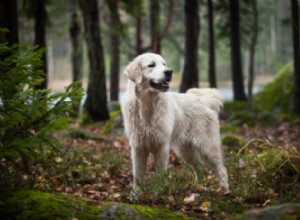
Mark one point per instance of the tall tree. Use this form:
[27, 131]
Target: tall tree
[237, 74]
[154, 26]
[253, 40]
[77, 45]
[115, 32]
[9, 20]
[296, 48]
[211, 41]
[39, 11]
[96, 103]
[138, 35]
[192, 28]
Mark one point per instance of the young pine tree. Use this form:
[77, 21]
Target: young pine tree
[27, 115]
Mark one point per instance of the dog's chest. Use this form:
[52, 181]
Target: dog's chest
[148, 123]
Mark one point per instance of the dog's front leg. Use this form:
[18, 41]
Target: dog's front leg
[139, 164]
[161, 157]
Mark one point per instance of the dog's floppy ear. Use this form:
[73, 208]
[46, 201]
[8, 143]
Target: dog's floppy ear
[134, 71]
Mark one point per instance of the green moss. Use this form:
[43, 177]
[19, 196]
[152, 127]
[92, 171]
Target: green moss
[277, 96]
[235, 106]
[234, 141]
[228, 128]
[115, 118]
[33, 205]
[77, 133]
[85, 119]
[243, 117]
[112, 122]
[28, 204]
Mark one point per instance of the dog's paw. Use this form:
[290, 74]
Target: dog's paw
[224, 191]
[134, 195]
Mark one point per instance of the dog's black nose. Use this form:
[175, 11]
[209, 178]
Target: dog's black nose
[168, 73]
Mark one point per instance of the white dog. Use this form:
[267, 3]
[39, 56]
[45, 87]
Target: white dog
[156, 121]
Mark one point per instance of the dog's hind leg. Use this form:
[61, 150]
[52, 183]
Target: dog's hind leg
[193, 159]
[213, 158]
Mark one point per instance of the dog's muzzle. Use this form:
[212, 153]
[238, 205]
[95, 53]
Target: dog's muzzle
[163, 86]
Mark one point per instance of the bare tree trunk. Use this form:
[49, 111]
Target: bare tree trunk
[114, 67]
[96, 103]
[296, 47]
[114, 53]
[115, 33]
[154, 25]
[192, 25]
[76, 42]
[40, 35]
[211, 60]
[237, 74]
[9, 20]
[138, 36]
[252, 50]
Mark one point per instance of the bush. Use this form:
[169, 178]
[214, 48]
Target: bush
[281, 164]
[115, 116]
[233, 141]
[28, 115]
[277, 96]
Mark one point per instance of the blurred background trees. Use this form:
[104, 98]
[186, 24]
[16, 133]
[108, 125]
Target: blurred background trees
[240, 43]
[192, 29]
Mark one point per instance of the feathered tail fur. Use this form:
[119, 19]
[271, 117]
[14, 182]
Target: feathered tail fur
[211, 97]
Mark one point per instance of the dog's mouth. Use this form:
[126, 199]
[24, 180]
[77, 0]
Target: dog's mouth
[163, 86]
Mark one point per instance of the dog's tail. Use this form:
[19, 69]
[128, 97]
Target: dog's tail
[211, 97]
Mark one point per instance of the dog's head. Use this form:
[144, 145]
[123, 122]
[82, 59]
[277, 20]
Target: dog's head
[150, 70]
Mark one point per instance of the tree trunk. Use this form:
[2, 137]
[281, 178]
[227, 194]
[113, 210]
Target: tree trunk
[138, 35]
[114, 66]
[114, 53]
[237, 74]
[192, 27]
[76, 42]
[9, 20]
[296, 47]
[154, 26]
[252, 50]
[211, 60]
[39, 11]
[96, 103]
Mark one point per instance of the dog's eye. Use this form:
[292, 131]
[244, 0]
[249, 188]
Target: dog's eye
[164, 64]
[151, 65]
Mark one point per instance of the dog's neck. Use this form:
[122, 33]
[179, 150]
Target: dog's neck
[146, 99]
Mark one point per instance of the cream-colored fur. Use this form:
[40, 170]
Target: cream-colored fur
[157, 121]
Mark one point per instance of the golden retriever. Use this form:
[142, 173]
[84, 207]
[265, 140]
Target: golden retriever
[157, 121]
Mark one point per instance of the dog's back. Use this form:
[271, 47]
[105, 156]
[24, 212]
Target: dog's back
[211, 97]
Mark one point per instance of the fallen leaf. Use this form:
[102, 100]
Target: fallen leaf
[205, 206]
[267, 202]
[116, 195]
[25, 177]
[68, 189]
[191, 198]
[58, 159]
[242, 163]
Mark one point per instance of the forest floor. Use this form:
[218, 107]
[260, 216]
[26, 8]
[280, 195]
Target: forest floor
[262, 162]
